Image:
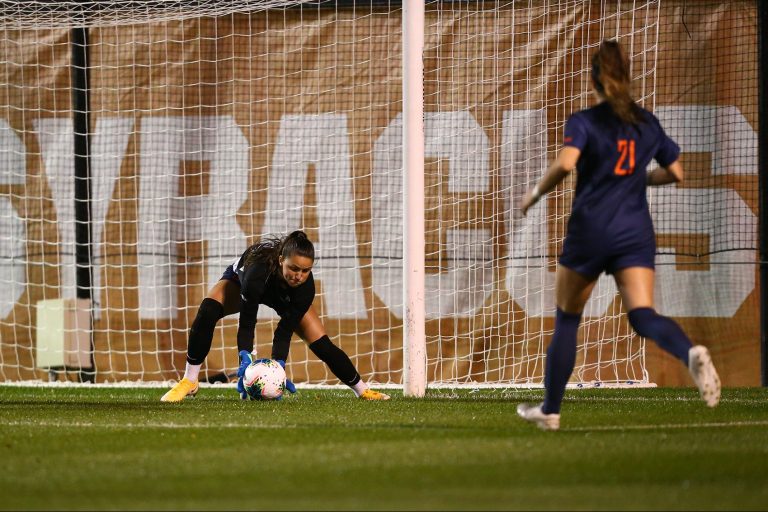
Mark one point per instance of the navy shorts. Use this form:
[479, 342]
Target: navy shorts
[230, 275]
[592, 259]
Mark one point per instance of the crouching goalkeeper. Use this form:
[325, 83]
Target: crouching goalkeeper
[276, 272]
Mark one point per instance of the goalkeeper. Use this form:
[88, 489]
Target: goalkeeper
[610, 228]
[276, 272]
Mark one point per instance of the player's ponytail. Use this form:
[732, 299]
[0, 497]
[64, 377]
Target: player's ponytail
[297, 244]
[268, 250]
[610, 75]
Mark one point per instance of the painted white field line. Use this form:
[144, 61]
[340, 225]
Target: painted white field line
[183, 426]
[86, 424]
[662, 399]
[662, 426]
[202, 426]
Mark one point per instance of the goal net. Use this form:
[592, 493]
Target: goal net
[212, 123]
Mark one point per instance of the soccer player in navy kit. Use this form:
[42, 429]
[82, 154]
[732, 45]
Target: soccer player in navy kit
[610, 228]
[276, 272]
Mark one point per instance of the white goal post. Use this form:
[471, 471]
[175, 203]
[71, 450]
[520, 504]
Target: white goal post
[399, 136]
[414, 335]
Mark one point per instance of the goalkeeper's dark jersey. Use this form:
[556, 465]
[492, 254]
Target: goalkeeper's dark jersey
[259, 286]
[610, 225]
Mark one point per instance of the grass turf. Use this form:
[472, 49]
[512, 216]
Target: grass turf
[638, 449]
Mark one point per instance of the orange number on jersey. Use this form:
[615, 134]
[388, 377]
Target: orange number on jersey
[625, 146]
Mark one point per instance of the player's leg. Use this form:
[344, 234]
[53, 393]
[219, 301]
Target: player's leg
[312, 331]
[636, 286]
[572, 291]
[223, 299]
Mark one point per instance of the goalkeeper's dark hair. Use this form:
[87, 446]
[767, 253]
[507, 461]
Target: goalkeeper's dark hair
[269, 249]
[610, 74]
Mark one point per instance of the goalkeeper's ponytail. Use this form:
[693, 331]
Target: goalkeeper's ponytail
[270, 248]
[297, 244]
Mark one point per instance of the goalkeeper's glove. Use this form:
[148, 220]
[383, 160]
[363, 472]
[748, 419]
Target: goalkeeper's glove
[245, 360]
[289, 385]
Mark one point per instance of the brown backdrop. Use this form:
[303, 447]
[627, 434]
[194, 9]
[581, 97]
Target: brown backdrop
[258, 68]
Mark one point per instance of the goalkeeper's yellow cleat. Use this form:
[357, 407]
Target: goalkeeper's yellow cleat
[181, 390]
[370, 394]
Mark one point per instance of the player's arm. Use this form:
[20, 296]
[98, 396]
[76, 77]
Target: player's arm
[281, 341]
[252, 288]
[667, 155]
[557, 171]
[247, 323]
[672, 173]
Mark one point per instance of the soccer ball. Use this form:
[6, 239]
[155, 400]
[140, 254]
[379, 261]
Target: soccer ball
[264, 379]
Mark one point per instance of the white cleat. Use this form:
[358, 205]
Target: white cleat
[534, 414]
[704, 375]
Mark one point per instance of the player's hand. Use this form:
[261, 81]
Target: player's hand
[289, 385]
[245, 360]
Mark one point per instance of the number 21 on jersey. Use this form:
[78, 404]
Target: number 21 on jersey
[626, 162]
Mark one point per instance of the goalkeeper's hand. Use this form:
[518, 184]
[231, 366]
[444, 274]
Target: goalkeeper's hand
[289, 385]
[245, 360]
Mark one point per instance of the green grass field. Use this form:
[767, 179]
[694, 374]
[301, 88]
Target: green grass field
[637, 449]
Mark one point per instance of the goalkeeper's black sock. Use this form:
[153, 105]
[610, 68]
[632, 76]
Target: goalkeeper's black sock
[201, 332]
[336, 359]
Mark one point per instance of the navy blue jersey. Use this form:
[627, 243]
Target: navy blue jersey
[260, 286]
[610, 207]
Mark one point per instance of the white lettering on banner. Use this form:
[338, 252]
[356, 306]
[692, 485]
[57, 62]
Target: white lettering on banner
[323, 142]
[228, 152]
[720, 130]
[13, 268]
[387, 217]
[719, 291]
[110, 143]
[107, 152]
[13, 154]
[162, 150]
[165, 217]
[463, 288]
[523, 160]
[56, 140]
[13, 232]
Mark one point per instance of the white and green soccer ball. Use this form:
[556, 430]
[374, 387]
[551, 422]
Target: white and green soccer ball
[264, 379]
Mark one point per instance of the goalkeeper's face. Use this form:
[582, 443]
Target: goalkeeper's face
[295, 269]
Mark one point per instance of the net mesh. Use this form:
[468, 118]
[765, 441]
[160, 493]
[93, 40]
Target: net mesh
[707, 228]
[213, 123]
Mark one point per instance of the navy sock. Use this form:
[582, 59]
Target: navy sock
[561, 356]
[661, 329]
